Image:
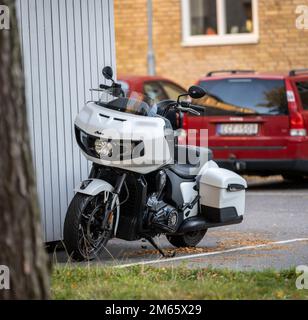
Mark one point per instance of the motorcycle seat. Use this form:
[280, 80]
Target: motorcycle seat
[189, 160]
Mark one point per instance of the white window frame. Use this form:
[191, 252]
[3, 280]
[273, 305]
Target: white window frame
[221, 38]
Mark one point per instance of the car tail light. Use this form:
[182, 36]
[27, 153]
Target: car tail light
[185, 123]
[297, 124]
[182, 136]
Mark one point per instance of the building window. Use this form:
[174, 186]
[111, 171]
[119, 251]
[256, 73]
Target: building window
[219, 22]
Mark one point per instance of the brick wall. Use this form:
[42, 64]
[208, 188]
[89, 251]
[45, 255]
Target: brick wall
[281, 46]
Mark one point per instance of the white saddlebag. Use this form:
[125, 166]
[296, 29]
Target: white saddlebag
[222, 195]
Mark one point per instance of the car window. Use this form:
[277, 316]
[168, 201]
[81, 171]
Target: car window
[172, 90]
[154, 91]
[245, 96]
[302, 88]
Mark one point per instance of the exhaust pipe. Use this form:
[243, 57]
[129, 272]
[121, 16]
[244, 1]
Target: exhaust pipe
[200, 223]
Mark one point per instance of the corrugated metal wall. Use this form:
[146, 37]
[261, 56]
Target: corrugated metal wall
[65, 44]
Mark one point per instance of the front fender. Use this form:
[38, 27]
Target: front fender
[93, 187]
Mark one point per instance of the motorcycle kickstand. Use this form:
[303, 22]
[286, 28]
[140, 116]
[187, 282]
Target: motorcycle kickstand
[160, 250]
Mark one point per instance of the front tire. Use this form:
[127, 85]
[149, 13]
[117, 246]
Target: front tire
[189, 239]
[84, 237]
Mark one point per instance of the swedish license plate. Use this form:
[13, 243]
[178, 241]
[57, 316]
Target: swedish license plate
[238, 129]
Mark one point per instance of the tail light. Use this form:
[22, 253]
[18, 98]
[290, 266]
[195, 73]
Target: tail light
[297, 124]
[182, 137]
[182, 133]
[185, 122]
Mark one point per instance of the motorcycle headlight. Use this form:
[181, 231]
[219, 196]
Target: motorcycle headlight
[111, 150]
[103, 148]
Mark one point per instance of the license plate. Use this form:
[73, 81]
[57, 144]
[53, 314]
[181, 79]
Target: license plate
[238, 129]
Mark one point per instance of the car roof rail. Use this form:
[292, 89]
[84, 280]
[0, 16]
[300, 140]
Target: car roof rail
[295, 72]
[209, 74]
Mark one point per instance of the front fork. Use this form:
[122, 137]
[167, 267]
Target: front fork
[113, 200]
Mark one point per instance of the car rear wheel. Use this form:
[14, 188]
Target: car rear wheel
[296, 177]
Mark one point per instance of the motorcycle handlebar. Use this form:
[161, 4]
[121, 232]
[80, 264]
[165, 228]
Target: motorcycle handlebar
[105, 87]
[115, 89]
[185, 106]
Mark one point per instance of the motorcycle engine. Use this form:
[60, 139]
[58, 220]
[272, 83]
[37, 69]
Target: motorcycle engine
[161, 216]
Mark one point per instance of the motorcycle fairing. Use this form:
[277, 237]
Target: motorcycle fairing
[105, 123]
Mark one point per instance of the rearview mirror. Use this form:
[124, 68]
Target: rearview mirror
[108, 73]
[196, 92]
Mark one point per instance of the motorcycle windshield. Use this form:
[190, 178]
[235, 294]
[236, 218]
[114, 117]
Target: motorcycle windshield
[134, 104]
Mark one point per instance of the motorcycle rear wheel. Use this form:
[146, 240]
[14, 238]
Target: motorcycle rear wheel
[189, 239]
[84, 237]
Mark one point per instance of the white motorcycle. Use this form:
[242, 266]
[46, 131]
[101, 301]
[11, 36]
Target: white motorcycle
[143, 183]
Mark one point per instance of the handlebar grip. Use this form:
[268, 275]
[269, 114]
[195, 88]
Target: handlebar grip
[185, 104]
[103, 86]
[193, 111]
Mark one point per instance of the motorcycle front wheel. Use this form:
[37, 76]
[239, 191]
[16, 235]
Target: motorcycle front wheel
[84, 235]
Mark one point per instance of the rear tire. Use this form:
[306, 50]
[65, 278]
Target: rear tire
[189, 239]
[296, 177]
[83, 238]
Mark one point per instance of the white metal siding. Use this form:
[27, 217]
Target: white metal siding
[65, 44]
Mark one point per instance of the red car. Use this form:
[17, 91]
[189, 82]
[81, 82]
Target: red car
[155, 87]
[257, 122]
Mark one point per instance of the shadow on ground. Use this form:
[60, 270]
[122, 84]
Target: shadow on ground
[274, 183]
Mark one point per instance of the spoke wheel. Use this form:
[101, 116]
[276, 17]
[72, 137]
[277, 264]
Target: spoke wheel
[84, 233]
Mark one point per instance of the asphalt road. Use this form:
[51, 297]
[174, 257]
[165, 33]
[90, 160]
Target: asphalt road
[274, 234]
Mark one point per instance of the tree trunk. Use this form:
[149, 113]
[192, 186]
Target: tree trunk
[21, 244]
